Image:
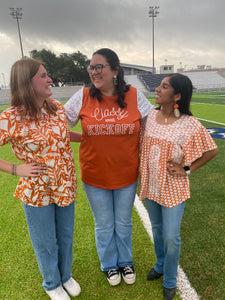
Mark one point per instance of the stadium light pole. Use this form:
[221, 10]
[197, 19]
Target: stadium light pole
[153, 12]
[16, 13]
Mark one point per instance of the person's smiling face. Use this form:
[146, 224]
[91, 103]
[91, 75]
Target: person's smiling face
[165, 93]
[101, 74]
[41, 85]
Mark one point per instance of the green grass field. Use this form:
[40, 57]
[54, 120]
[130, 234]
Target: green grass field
[202, 232]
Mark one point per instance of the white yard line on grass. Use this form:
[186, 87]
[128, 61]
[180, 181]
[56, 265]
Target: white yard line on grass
[211, 121]
[187, 292]
[214, 104]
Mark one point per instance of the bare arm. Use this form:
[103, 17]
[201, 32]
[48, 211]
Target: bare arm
[177, 169]
[75, 136]
[24, 170]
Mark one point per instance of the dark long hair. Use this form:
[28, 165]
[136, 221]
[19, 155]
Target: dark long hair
[182, 85]
[121, 87]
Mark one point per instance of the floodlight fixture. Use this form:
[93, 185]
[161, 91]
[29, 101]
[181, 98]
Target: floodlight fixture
[153, 12]
[16, 13]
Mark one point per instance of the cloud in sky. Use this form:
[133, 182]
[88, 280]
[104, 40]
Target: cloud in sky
[187, 33]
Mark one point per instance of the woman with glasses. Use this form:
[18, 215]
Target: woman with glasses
[110, 112]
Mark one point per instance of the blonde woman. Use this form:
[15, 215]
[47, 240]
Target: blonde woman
[36, 128]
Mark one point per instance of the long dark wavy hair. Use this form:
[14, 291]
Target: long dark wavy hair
[182, 85]
[121, 87]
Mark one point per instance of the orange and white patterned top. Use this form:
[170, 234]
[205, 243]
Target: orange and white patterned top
[182, 142]
[45, 141]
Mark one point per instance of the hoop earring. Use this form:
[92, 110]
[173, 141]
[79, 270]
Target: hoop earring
[115, 81]
[176, 110]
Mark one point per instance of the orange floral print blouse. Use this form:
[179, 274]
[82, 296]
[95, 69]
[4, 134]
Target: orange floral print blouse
[46, 141]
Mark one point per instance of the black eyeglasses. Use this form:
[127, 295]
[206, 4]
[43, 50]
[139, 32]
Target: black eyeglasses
[98, 68]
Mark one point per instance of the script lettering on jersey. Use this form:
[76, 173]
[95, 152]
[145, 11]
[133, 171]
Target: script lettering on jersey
[100, 114]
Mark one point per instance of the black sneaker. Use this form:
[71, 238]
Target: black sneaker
[113, 276]
[128, 274]
[169, 293]
[153, 275]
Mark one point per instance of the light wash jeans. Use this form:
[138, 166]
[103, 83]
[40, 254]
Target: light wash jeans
[112, 211]
[51, 233]
[166, 223]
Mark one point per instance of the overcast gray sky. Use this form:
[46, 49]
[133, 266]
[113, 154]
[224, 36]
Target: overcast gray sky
[187, 33]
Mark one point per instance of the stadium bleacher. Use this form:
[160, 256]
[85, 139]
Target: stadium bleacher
[58, 93]
[202, 81]
[211, 80]
[151, 81]
[137, 82]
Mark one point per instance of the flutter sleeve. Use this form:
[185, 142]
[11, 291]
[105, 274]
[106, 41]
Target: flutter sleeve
[142, 132]
[73, 107]
[144, 106]
[4, 128]
[198, 143]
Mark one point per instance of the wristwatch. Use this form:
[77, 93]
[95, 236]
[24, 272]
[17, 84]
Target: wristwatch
[187, 170]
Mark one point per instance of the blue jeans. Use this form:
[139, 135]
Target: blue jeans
[112, 211]
[51, 233]
[166, 223]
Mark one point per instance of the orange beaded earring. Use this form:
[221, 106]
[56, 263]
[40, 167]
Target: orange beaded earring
[176, 110]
